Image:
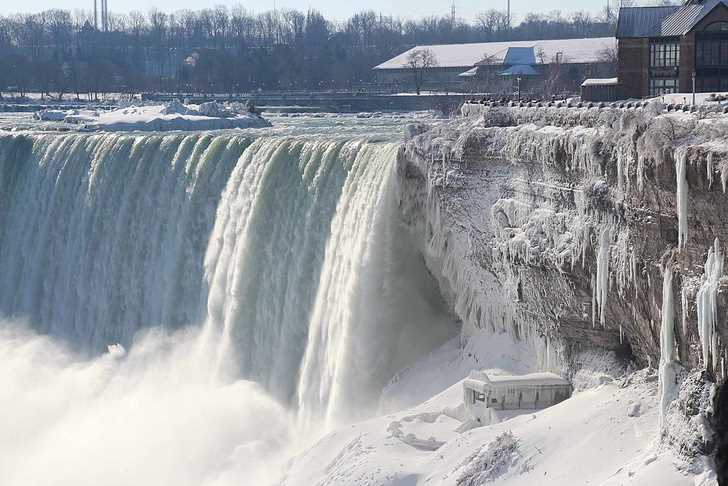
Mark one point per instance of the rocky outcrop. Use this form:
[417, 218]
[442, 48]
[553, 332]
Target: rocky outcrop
[558, 225]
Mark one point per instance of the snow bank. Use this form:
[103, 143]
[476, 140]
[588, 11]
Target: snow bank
[167, 117]
[561, 445]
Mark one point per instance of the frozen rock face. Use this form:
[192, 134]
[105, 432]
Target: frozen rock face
[556, 225]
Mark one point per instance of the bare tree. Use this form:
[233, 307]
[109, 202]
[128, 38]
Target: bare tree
[608, 56]
[419, 62]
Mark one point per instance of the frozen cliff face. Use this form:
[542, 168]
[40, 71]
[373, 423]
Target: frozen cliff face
[554, 224]
[577, 229]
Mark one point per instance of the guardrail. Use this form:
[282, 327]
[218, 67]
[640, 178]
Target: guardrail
[626, 105]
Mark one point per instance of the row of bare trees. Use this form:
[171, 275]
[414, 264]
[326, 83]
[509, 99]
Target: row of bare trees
[230, 50]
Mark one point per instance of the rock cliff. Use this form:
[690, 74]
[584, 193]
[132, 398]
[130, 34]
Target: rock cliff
[558, 226]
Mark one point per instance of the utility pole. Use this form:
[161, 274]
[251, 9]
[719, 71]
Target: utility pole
[508, 19]
[96, 15]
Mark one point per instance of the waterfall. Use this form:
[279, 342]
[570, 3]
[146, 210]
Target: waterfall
[100, 235]
[285, 250]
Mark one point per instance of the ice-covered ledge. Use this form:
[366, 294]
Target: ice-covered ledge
[556, 224]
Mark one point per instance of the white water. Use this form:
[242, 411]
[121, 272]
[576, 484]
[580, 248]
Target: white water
[279, 257]
[156, 416]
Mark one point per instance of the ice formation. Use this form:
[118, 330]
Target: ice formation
[682, 197]
[602, 278]
[167, 117]
[668, 387]
[708, 306]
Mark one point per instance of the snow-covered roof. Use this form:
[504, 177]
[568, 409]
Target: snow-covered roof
[468, 55]
[479, 381]
[600, 81]
[469, 73]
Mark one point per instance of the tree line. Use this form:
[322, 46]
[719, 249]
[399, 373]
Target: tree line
[231, 50]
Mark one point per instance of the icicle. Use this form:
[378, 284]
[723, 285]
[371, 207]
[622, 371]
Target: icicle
[602, 280]
[594, 301]
[620, 174]
[707, 301]
[709, 169]
[640, 172]
[684, 305]
[621, 335]
[682, 198]
[667, 347]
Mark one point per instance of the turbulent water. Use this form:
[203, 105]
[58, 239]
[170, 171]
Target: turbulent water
[275, 257]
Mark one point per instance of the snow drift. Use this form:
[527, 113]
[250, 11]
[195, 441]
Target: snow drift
[158, 118]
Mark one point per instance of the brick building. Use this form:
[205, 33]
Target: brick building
[661, 48]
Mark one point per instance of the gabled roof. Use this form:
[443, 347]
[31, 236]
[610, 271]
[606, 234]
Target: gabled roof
[682, 21]
[670, 21]
[643, 21]
[468, 55]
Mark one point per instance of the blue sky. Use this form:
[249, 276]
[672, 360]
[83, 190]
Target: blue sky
[331, 8]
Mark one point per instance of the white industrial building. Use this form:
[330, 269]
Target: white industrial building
[489, 66]
[483, 394]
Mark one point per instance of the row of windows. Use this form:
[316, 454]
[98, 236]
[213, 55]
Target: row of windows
[664, 54]
[711, 52]
[711, 84]
[659, 87]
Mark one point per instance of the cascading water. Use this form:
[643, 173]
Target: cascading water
[100, 235]
[284, 250]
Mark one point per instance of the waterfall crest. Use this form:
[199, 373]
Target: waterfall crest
[286, 250]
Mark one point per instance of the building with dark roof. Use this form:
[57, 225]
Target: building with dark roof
[672, 49]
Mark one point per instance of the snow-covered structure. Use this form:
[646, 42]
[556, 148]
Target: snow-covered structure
[458, 66]
[534, 391]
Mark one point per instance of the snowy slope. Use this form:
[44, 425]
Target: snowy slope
[604, 436]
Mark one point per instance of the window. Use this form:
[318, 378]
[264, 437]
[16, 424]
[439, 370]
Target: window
[717, 27]
[660, 87]
[711, 52]
[664, 54]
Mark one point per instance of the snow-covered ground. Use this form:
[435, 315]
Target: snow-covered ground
[170, 116]
[687, 98]
[605, 435]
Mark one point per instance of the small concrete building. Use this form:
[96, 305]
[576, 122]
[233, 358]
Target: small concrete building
[483, 393]
[599, 89]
